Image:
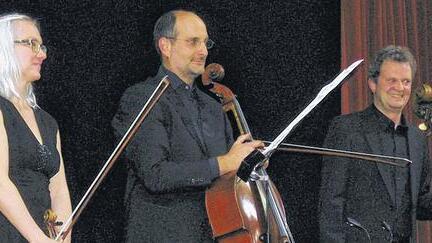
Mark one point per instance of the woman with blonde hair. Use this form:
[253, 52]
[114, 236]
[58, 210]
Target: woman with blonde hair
[32, 176]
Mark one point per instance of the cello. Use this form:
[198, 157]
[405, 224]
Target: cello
[241, 211]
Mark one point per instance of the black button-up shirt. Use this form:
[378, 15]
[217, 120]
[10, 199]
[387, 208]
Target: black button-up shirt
[395, 143]
[190, 98]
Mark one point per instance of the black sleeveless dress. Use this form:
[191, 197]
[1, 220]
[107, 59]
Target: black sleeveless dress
[31, 164]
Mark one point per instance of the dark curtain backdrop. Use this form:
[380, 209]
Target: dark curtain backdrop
[369, 25]
[276, 54]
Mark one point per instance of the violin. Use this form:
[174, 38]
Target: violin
[241, 211]
[51, 223]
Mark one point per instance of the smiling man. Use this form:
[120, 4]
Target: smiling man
[182, 146]
[374, 194]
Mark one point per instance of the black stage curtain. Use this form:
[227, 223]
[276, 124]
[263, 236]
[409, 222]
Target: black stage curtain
[277, 55]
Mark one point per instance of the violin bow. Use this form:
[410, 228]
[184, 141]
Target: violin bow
[151, 102]
[391, 160]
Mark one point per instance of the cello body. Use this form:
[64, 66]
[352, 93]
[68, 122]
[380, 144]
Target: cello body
[237, 214]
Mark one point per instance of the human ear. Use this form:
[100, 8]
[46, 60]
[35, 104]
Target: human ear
[164, 46]
[372, 85]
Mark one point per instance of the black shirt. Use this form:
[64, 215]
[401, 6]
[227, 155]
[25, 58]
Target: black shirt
[189, 96]
[394, 141]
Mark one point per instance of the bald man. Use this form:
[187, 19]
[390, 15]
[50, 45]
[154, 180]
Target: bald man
[183, 146]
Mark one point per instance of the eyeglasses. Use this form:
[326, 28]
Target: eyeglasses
[35, 45]
[196, 42]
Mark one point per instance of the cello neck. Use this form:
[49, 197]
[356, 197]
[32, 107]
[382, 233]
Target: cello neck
[240, 118]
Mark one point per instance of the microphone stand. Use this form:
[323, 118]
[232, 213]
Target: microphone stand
[354, 223]
[387, 227]
[261, 175]
[151, 102]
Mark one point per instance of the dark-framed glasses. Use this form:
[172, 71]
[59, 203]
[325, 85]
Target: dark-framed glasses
[196, 42]
[35, 45]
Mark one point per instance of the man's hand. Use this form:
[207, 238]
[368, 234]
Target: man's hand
[241, 148]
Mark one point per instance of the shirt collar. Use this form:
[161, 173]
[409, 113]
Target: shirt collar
[176, 81]
[385, 123]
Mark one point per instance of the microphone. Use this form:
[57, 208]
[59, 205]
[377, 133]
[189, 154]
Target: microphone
[354, 223]
[387, 227]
